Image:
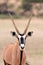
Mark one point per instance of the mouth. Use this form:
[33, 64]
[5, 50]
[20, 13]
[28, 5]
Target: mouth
[22, 46]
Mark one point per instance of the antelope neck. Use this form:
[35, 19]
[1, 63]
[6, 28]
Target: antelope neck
[21, 55]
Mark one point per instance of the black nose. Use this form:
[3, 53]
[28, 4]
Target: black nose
[22, 47]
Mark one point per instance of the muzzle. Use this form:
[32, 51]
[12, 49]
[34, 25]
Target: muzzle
[22, 46]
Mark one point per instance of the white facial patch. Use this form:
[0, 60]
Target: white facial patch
[22, 45]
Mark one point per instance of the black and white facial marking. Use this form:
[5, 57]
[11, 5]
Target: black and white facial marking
[22, 38]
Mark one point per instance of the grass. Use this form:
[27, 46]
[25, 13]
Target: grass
[2, 16]
[41, 16]
[5, 16]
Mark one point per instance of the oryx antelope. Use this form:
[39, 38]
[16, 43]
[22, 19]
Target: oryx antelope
[14, 54]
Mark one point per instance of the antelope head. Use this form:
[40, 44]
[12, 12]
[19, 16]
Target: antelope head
[21, 37]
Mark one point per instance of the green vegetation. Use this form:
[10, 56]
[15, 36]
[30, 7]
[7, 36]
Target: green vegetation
[11, 6]
[26, 5]
[32, 1]
[5, 16]
[25, 8]
[35, 0]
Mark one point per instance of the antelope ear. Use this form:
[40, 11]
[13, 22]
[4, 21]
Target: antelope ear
[30, 33]
[13, 33]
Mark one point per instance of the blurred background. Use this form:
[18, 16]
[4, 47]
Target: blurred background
[21, 10]
[22, 7]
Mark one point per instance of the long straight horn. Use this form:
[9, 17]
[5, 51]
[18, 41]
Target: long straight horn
[14, 23]
[28, 25]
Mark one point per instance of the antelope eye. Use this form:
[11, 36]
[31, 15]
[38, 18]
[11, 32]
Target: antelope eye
[13, 33]
[30, 33]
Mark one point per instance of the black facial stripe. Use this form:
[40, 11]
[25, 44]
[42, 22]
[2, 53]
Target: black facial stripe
[22, 40]
[21, 34]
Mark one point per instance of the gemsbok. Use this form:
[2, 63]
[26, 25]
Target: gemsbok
[14, 54]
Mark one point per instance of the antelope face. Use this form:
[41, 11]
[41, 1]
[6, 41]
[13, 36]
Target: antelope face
[21, 37]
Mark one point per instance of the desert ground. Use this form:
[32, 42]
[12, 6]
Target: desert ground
[34, 44]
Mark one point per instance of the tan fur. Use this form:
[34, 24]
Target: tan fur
[11, 55]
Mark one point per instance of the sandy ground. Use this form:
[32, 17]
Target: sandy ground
[34, 44]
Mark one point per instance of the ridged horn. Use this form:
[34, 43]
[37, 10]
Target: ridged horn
[14, 23]
[27, 25]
